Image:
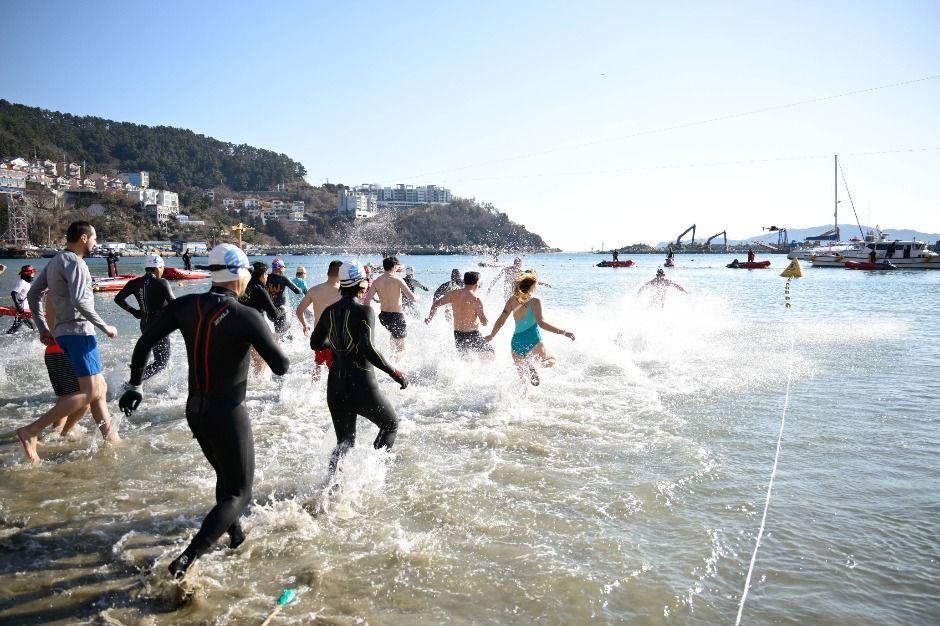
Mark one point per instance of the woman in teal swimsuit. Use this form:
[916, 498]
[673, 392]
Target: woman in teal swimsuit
[528, 350]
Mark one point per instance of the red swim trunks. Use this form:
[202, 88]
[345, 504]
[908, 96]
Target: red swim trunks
[323, 357]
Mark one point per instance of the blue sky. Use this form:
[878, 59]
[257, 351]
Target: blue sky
[589, 122]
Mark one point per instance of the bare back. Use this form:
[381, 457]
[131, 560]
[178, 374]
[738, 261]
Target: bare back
[468, 309]
[322, 296]
[390, 290]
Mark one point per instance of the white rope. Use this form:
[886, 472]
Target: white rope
[773, 473]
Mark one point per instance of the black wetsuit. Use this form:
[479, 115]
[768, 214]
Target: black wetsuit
[187, 261]
[256, 297]
[276, 286]
[152, 295]
[218, 331]
[414, 285]
[347, 327]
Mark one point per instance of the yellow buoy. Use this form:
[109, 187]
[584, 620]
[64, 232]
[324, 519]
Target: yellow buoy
[793, 270]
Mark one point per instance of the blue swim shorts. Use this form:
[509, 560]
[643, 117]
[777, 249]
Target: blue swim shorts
[82, 351]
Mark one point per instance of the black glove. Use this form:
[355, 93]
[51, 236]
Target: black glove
[399, 378]
[130, 400]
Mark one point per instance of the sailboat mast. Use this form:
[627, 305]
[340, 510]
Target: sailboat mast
[836, 211]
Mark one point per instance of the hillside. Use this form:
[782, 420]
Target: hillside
[176, 158]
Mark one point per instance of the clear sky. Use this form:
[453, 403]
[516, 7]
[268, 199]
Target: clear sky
[589, 122]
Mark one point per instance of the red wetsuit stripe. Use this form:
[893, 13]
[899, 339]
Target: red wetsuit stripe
[207, 341]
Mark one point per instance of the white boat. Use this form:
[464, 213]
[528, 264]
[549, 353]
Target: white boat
[903, 253]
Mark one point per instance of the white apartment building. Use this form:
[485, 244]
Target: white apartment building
[160, 204]
[407, 195]
[252, 203]
[296, 216]
[13, 181]
[357, 204]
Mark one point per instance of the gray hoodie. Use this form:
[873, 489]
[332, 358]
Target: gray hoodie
[69, 283]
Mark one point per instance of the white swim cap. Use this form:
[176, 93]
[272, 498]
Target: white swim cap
[351, 274]
[228, 263]
[155, 261]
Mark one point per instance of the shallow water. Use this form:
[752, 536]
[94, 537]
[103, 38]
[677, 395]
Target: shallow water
[627, 488]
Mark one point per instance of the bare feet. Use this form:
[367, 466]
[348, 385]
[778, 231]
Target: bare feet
[29, 444]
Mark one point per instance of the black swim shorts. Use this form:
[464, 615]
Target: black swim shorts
[394, 323]
[472, 341]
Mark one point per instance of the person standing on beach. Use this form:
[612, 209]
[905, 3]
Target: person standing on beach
[20, 289]
[347, 328]
[276, 285]
[153, 293]
[320, 296]
[391, 289]
[68, 281]
[468, 315]
[219, 331]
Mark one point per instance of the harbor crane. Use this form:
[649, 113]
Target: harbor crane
[708, 242]
[679, 238]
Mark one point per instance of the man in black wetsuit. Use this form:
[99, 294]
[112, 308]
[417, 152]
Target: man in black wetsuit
[153, 293]
[219, 332]
[347, 327]
[187, 260]
[277, 283]
[256, 294]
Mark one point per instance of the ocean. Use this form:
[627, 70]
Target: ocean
[628, 487]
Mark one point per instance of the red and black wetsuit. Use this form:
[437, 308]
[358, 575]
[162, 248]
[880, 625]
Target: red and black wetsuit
[346, 327]
[152, 295]
[218, 331]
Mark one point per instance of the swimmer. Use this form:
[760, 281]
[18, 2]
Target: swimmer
[509, 277]
[219, 331]
[152, 293]
[277, 284]
[347, 327]
[300, 278]
[391, 289]
[660, 283]
[528, 350]
[320, 296]
[468, 315]
[414, 285]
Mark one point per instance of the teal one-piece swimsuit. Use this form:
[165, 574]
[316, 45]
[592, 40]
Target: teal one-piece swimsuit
[527, 334]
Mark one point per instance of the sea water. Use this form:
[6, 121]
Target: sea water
[627, 488]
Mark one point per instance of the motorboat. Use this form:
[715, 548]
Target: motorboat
[902, 253]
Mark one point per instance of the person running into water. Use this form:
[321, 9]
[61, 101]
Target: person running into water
[18, 294]
[347, 328]
[455, 282]
[414, 285]
[468, 315]
[276, 284]
[219, 331]
[300, 278]
[256, 296]
[152, 293]
[61, 376]
[320, 296]
[659, 285]
[528, 350]
[509, 277]
[391, 288]
[68, 282]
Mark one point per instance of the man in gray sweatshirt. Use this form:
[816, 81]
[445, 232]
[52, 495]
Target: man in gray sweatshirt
[68, 282]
